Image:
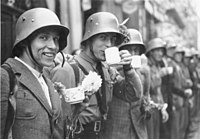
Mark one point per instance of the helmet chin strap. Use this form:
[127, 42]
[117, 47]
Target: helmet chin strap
[63, 62]
[31, 54]
[92, 52]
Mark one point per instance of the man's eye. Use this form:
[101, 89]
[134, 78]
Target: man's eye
[136, 48]
[114, 38]
[103, 37]
[56, 38]
[44, 37]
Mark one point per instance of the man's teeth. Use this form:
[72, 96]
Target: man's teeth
[49, 54]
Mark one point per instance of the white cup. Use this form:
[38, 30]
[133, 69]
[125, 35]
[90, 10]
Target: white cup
[136, 61]
[170, 70]
[112, 55]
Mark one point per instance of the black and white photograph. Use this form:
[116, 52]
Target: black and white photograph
[100, 69]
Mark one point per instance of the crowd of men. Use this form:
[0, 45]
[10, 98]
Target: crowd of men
[159, 99]
[179, 88]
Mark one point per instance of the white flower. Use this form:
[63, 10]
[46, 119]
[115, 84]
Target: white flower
[92, 82]
[60, 88]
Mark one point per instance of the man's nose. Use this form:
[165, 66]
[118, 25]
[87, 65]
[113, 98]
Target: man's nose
[109, 43]
[52, 44]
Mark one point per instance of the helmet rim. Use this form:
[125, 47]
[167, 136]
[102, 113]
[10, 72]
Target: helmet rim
[61, 30]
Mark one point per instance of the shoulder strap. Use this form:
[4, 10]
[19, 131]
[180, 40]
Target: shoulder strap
[76, 72]
[11, 74]
[82, 68]
[98, 95]
[12, 101]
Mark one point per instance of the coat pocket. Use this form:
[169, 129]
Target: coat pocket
[26, 105]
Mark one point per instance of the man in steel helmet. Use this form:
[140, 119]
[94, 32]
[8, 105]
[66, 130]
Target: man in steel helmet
[135, 43]
[167, 87]
[126, 116]
[136, 47]
[186, 86]
[155, 51]
[194, 124]
[102, 32]
[172, 91]
[38, 115]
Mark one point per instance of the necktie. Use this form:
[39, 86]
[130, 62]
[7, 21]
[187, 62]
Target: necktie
[101, 94]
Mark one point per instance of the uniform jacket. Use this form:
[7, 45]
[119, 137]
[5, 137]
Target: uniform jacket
[156, 81]
[125, 120]
[180, 79]
[125, 117]
[124, 88]
[34, 118]
[92, 113]
[178, 85]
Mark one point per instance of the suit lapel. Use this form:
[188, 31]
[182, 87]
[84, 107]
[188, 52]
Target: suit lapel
[29, 80]
[54, 98]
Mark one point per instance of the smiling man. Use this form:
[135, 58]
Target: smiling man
[39, 37]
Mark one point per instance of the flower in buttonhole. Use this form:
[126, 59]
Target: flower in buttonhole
[92, 82]
[60, 88]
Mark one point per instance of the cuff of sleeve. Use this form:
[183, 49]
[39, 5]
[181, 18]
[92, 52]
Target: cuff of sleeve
[127, 67]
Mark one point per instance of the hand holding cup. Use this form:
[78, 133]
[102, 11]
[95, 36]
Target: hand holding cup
[126, 57]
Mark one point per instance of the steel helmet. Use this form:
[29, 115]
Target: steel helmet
[154, 44]
[135, 37]
[39, 18]
[179, 49]
[171, 44]
[194, 52]
[101, 22]
[187, 52]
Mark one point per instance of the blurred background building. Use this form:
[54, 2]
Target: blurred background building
[177, 19]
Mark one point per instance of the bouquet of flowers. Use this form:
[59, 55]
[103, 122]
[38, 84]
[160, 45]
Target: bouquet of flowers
[90, 84]
[60, 88]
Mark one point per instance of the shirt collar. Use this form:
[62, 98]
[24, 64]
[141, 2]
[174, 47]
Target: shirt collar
[92, 62]
[35, 72]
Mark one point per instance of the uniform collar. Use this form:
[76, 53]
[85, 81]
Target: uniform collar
[88, 59]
